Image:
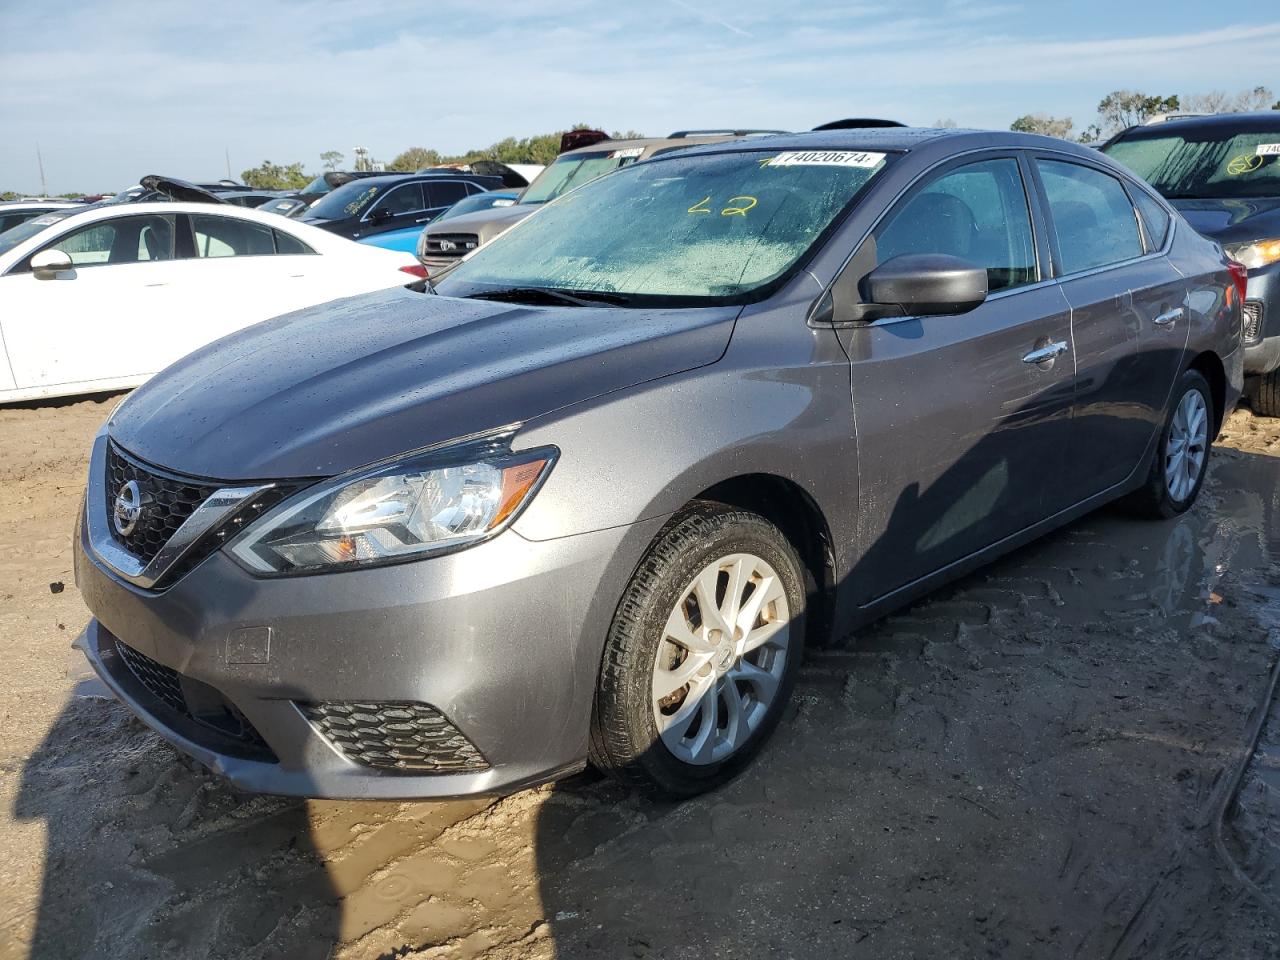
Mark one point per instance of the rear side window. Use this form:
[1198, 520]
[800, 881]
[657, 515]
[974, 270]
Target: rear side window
[976, 212]
[1155, 219]
[444, 194]
[1092, 216]
[225, 237]
[287, 244]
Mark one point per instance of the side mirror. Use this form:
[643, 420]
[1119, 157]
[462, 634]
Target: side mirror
[47, 264]
[923, 285]
[382, 213]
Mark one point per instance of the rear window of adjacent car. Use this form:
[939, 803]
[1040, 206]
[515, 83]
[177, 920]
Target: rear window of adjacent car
[1093, 219]
[977, 212]
[1197, 161]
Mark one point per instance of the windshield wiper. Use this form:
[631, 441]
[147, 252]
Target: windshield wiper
[577, 298]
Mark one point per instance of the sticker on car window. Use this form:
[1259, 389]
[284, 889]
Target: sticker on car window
[825, 158]
[624, 154]
[1268, 150]
[1244, 163]
[503, 203]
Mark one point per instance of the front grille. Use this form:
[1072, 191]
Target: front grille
[395, 735]
[1251, 318]
[448, 247]
[197, 702]
[173, 499]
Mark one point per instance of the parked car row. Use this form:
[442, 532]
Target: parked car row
[637, 452]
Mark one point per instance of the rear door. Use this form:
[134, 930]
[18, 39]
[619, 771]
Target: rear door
[108, 318]
[1128, 325]
[961, 433]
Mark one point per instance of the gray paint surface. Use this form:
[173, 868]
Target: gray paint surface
[923, 446]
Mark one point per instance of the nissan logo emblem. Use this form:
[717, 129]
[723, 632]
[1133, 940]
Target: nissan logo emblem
[127, 511]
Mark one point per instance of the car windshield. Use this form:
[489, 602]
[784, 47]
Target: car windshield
[349, 200]
[317, 185]
[575, 169]
[475, 203]
[1206, 163]
[689, 230]
[25, 231]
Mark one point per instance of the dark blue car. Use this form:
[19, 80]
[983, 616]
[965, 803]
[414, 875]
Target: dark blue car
[397, 201]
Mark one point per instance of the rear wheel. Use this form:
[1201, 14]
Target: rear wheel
[702, 655]
[1178, 469]
[1264, 394]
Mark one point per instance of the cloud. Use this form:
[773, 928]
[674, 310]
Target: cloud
[122, 87]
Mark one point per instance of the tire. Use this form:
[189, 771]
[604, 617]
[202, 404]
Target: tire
[662, 603]
[1169, 491]
[1264, 394]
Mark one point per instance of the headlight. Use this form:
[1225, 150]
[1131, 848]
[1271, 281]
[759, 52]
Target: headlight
[1257, 254]
[401, 511]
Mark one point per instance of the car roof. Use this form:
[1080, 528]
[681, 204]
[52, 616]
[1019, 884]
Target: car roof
[651, 144]
[388, 179]
[1243, 122]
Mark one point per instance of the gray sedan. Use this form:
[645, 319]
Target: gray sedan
[589, 497]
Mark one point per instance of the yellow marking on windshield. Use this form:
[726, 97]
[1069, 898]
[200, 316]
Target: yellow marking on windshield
[1245, 163]
[738, 211]
[700, 206]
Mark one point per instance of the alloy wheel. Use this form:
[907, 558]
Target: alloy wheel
[721, 659]
[1187, 445]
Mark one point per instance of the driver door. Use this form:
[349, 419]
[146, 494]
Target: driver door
[961, 434]
[400, 207]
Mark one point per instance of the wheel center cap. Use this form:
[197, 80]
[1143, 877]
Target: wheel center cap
[726, 652]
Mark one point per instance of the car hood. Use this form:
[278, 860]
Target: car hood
[486, 224]
[1233, 221]
[334, 387]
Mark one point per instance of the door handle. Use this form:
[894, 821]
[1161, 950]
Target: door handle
[1047, 352]
[1169, 316]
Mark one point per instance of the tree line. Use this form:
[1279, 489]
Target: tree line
[1121, 109]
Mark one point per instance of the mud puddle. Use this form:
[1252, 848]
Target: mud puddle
[1026, 764]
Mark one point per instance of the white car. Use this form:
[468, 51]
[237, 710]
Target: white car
[101, 298]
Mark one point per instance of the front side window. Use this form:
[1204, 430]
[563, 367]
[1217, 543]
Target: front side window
[700, 229]
[977, 212]
[1206, 163]
[400, 201]
[226, 237]
[1093, 219]
[118, 241]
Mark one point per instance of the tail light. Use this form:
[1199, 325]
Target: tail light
[1240, 277]
[415, 269]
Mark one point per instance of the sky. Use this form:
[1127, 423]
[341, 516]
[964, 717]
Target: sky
[111, 90]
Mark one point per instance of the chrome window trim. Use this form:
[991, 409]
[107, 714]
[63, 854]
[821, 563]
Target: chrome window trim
[220, 505]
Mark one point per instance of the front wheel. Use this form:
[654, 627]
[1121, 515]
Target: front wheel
[1182, 457]
[702, 654]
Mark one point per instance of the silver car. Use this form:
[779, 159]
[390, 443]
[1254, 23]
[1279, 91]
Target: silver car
[589, 497]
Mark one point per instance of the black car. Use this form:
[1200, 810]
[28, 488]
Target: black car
[1223, 174]
[374, 205]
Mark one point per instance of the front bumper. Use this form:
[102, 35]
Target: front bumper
[502, 640]
[1262, 355]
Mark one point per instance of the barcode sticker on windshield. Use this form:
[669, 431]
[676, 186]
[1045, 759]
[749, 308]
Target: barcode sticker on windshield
[826, 158]
[629, 152]
[1268, 150]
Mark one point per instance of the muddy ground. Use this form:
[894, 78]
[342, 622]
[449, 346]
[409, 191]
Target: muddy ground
[1050, 759]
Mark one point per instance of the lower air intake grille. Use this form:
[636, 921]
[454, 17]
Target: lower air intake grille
[197, 702]
[395, 735]
[1251, 317]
